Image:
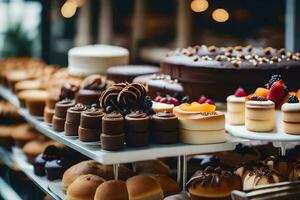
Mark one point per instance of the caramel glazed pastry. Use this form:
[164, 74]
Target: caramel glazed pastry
[213, 183]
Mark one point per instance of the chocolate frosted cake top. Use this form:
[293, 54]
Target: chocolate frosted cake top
[233, 57]
[212, 176]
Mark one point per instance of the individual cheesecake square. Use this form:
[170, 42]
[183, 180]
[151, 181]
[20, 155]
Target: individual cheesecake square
[291, 116]
[260, 115]
[236, 108]
[200, 123]
[90, 125]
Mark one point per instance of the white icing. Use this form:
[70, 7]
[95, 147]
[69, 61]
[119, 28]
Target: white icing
[95, 59]
[260, 104]
[233, 98]
[290, 107]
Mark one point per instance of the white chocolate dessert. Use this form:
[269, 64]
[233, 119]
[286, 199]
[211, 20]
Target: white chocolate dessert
[200, 123]
[260, 115]
[95, 59]
[291, 116]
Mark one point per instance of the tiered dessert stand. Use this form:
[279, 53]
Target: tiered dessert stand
[239, 134]
[278, 137]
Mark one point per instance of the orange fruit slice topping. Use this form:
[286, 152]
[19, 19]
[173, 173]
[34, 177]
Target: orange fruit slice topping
[197, 107]
[261, 92]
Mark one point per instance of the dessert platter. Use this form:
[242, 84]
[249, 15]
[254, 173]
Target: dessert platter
[89, 136]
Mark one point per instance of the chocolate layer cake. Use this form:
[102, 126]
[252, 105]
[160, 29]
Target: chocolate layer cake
[217, 72]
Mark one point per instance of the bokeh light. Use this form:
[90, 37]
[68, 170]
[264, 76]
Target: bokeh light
[220, 15]
[68, 9]
[199, 5]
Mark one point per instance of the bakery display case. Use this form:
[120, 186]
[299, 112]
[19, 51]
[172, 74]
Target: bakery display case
[156, 109]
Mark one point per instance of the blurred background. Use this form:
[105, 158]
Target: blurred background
[148, 28]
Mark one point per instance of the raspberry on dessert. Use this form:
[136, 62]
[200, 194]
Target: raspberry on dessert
[276, 93]
[293, 99]
[240, 92]
[273, 79]
[209, 101]
[258, 98]
[157, 99]
[262, 92]
[174, 101]
[202, 99]
[163, 100]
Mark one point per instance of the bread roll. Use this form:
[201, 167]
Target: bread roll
[112, 190]
[167, 184]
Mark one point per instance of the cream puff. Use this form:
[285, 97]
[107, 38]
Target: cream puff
[200, 123]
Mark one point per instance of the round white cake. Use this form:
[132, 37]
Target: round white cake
[95, 59]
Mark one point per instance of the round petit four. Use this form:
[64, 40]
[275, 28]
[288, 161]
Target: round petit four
[213, 183]
[165, 128]
[95, 59]
[291, 115]
[200, 123]
[260, 114]
[60, 113]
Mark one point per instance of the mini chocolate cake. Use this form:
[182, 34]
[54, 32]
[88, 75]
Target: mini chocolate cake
[56, 168]
[112, 136]
[73, 119]
[136, 129]
[165, 128]
[127, 73]
[60, 113]
[90, 125]
[217, 72]
[91, 90]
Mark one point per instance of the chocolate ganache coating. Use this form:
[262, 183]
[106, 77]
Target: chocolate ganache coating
[217, 75]
[213, 182]
[68, 91]
[165, 121]
[91, 118]
[62, 106]
[73, 113]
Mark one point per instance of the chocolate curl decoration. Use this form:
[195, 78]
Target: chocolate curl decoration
[68, 91]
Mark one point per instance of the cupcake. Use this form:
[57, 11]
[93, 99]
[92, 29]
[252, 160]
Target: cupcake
[291, 116]
[236, 107]
[112, 136]
[90, 125]
[165, 128]
[73, 119]
[55, 168]
[260, 114]
[136, 129]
